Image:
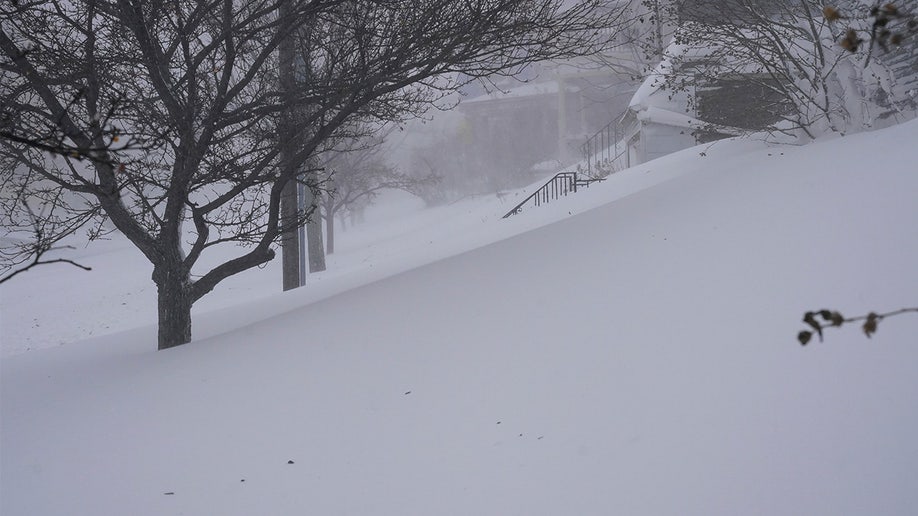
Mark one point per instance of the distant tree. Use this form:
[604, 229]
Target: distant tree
[453, 166]
[355, 173]
[198, 81]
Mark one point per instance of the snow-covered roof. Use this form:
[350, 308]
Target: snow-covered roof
[658, 115]
[675, 55]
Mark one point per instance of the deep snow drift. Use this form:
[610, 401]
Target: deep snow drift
[636, 356]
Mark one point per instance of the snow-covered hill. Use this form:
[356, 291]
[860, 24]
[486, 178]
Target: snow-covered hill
[628, 350]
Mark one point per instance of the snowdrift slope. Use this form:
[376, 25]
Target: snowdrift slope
[638, 358]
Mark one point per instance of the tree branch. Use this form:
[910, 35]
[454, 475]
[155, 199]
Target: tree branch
[833, 319]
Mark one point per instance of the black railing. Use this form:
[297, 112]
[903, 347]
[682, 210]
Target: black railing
[602, 150]
[601, 153]
[559, 186]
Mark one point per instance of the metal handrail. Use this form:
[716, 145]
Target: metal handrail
[558, 186]
[604, 146]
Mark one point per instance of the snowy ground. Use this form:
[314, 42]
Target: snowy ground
[628, 350]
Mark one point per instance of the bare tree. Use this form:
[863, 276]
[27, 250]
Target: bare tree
[355, 173]
[197, 80]
[785, 53]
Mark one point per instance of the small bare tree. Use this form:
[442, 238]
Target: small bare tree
[355, 173]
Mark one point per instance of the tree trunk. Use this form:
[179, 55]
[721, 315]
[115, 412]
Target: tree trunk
[328, 209]
[315, 249]
[314, 243]
[329, 231]
[174, 310]
[290, 239]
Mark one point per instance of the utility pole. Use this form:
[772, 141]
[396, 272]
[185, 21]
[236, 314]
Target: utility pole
[315, 250]
[562, 119]
[298, 242]
[312, 252]
[309, 237]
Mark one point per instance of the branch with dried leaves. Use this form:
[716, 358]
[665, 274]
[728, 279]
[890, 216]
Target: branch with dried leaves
[822, 319]
[889, 27]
